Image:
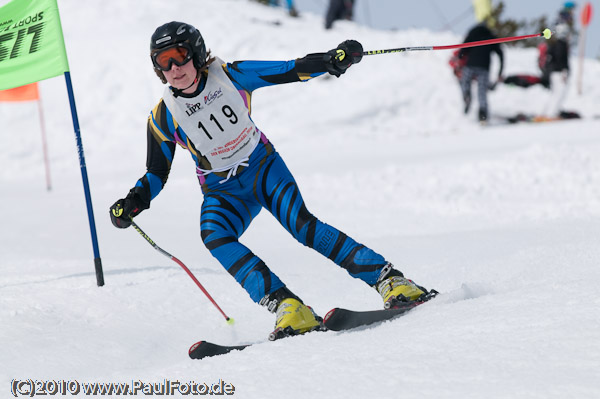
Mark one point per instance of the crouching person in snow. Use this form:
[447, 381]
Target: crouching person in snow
[206, 110]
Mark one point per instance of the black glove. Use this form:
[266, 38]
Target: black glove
[339, 59]
[122, 211]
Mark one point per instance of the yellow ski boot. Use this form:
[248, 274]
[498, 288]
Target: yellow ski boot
[292, 316]
[394, 288]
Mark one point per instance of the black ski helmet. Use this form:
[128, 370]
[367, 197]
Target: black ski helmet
[179, 32]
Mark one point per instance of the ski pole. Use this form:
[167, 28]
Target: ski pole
[180, 263]
[545, 34]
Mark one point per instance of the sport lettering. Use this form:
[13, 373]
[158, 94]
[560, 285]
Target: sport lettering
[13, 44]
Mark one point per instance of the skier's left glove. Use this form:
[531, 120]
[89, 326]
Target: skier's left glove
[122, 211]
[339, 59]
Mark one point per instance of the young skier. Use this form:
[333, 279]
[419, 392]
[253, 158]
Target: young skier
[206, 110]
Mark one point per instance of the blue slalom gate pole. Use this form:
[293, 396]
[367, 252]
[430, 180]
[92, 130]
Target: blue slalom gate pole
[86, 185]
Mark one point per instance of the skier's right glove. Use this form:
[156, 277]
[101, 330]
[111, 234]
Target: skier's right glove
[339, 59]
[122, 211]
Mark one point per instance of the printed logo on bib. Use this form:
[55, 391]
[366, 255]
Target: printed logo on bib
[212, 96]
[234, 145]
[208, 99]
[193, 108]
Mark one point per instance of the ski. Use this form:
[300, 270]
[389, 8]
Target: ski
[339, 319]
[526, 118]
[202, 349]
[267, 22]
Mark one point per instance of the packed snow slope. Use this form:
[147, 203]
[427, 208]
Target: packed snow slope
[503, 220]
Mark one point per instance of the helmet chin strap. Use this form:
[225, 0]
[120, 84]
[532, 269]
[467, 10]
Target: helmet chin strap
[177, 92]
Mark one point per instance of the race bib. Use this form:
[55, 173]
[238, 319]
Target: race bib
[216, 120]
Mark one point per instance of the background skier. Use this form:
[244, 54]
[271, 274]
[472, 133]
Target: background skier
[477, 66]
[555, 66]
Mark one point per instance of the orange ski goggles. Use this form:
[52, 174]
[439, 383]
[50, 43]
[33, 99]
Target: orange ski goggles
[179, 54]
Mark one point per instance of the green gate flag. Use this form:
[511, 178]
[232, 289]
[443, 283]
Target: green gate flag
[32, 47]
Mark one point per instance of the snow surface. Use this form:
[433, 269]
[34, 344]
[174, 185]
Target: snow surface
[504, 220]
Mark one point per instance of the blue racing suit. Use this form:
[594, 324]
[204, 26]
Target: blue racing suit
[232, 198]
